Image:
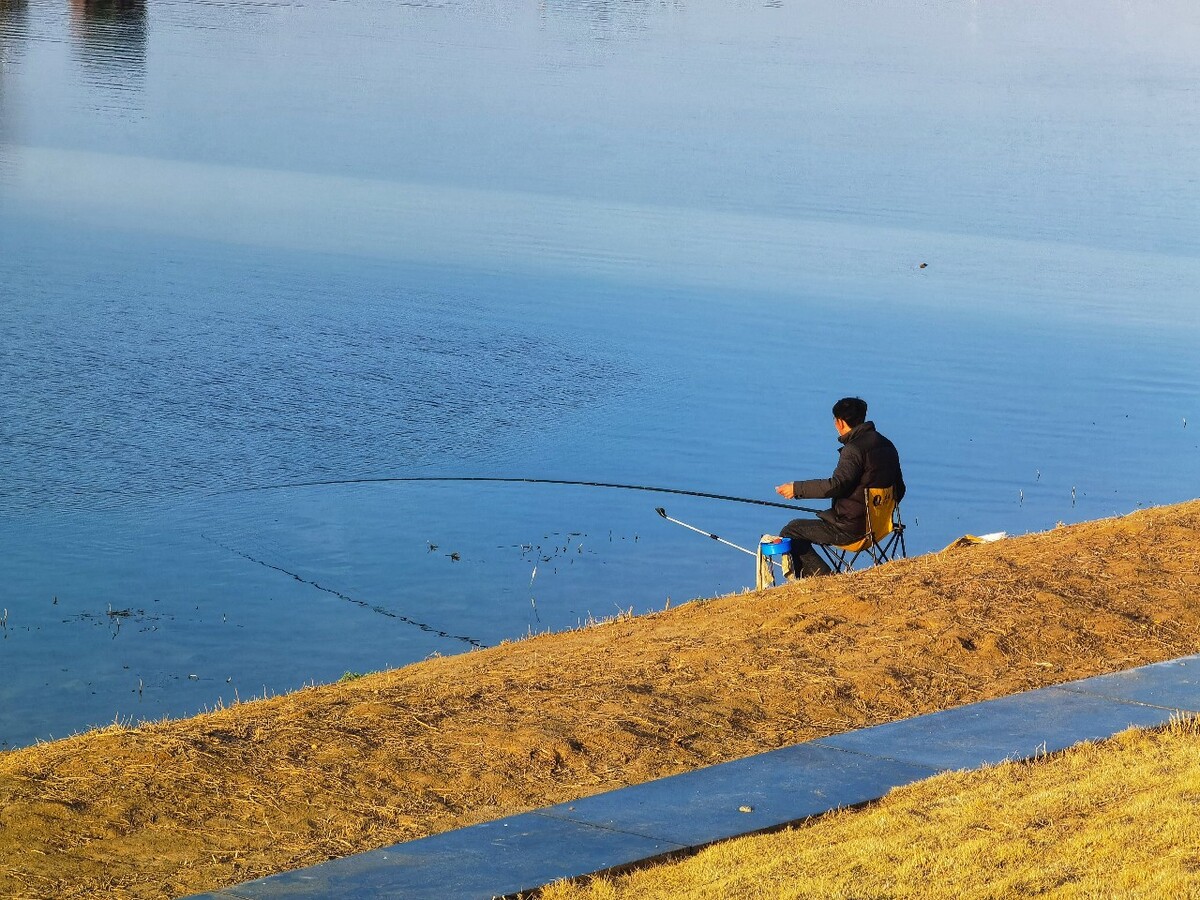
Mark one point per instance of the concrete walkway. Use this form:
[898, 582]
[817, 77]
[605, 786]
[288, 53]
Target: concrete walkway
[686, 812]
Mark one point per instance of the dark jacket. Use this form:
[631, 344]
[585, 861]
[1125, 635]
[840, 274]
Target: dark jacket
[866, 459]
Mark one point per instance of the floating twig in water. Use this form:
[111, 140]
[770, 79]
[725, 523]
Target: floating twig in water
[532, 599]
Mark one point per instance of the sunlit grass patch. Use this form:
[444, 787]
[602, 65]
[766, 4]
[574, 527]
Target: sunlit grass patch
[1114, 819]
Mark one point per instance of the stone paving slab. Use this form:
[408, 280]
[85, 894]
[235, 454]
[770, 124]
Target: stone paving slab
[497, 858]
[685, 812]
[1016, 727]
[747, 795]
[1174, 684]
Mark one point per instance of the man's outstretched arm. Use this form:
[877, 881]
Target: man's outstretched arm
[840, 484]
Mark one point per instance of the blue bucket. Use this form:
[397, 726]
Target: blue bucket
[778, 549]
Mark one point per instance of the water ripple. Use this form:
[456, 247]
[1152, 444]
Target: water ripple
[128, 403]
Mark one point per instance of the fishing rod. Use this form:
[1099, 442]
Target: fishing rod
[662, 512]
[600, 484]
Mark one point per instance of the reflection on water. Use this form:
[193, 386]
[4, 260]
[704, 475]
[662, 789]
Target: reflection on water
[110, 37]
[14, 24]
[606, 19]
[14, 15]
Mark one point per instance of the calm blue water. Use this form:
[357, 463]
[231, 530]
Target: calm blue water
[251, 245]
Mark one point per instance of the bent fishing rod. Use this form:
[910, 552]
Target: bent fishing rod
[599, 484]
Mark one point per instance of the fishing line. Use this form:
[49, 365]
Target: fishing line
[599, 484]
[382, 610]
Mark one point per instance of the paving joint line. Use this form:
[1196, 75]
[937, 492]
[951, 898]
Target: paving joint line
[1190, 712]
[821, 742]
[556, 817]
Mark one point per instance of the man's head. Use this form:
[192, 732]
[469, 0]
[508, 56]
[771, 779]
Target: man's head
[851, 411]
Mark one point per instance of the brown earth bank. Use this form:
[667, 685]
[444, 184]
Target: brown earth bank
[179, 807]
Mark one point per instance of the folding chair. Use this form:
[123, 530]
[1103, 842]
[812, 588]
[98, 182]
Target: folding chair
[883, 541]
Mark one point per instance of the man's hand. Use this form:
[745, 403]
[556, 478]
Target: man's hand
[787, 490]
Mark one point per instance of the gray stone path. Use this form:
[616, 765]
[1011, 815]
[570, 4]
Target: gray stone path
[686, 812]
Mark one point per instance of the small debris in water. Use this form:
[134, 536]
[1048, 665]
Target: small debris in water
[746, 809]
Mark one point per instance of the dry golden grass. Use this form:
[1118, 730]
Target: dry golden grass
[173, 808]
[1114, 819]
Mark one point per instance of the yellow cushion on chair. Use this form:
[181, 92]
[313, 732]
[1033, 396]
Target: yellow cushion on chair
[856, 547]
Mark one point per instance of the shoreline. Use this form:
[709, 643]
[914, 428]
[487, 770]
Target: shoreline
[192, 805]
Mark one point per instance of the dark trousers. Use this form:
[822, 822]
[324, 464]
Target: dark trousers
[806, 532]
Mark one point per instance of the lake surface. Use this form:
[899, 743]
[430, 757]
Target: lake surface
[257, 258]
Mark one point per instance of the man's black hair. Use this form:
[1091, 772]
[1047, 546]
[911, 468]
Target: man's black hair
[851, 410]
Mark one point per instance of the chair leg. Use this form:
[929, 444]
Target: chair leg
[887, 551]
[835, 558]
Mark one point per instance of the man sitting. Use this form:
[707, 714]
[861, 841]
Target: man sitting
[866, 460]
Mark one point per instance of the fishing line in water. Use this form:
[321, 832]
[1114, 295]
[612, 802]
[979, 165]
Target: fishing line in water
[598, 484]
[382, 610]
